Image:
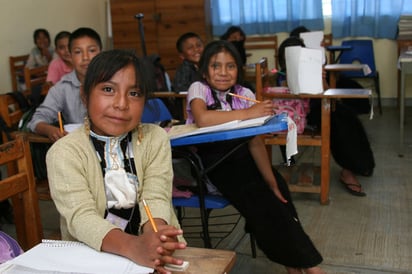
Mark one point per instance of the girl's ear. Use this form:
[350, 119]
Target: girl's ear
[181, 56]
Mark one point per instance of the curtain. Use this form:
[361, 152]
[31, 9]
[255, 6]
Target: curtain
[372, 18]
[266, 16]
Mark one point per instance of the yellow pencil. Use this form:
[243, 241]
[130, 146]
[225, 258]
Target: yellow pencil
[59, 115]
[149, 214]
[243, 97]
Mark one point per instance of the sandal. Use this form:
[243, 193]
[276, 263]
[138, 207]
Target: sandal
[359, 193]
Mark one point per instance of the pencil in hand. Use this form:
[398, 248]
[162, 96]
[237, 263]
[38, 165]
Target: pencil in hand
[149, 214]
[243, 97]
[59, 116]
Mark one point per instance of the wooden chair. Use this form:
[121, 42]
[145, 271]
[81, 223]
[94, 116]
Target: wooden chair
[328, 41]
[262, 43]
[17, 64]
[20, 188]
[11, 113]
[307, 138]
[35, 77]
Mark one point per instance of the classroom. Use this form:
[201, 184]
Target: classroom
[354, 234]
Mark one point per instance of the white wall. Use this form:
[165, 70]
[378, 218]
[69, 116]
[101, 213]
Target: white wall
[19, 18]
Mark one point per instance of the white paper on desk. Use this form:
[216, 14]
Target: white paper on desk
[191, 129]
[313, 40]
[72, 257]
[304, 70]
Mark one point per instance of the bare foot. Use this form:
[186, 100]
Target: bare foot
[348, 179]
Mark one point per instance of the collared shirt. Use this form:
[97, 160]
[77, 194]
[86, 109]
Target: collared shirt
[63, 97]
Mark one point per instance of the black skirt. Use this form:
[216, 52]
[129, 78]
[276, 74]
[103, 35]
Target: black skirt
[275, 225]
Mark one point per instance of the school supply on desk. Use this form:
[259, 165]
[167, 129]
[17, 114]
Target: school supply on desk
[304, 68]
[179, 131]
[52, 256]
[313, 40]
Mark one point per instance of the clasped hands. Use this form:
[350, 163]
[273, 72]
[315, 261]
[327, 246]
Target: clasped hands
[162, 245]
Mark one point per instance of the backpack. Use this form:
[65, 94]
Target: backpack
[296, 109]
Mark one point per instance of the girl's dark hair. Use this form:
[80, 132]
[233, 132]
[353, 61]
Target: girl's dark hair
[37, 33]
[214, 48]
[107, 63]
[183, 38]
[61, 35]
[231, 30]
[288, 42]
[85, 32]
[298, 30]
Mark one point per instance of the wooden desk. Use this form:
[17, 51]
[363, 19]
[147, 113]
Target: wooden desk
[405, 65]
[171, 94]
[333, 69]
[324, 141]
[202, 260]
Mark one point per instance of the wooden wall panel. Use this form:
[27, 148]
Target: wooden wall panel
[164, 21]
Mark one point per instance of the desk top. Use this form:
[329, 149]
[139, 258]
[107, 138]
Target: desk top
[344, 67]
[334, 93]
[202, 259]
[64, 256]
[276, 124]
[168, 94]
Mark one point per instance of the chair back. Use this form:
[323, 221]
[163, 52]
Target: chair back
[17, 64]
[262, 43]
[21, 188]
[35, 77]
[155, 111]
[262, 77]
[361, 52]
[10, 110]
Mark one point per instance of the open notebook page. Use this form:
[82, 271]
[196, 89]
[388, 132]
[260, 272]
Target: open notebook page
[70, 257]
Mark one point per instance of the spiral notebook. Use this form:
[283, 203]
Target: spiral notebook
[56, 257]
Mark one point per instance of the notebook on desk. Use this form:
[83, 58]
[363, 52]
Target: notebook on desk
[179, 131]
[57, 257]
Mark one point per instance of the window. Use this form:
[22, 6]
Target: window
[327, 8]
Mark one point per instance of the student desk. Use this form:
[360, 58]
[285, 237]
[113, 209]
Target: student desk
[275, 124]
[324, 142]
[405, 65]
[334, 69]
[340, 49]
[202, 260]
